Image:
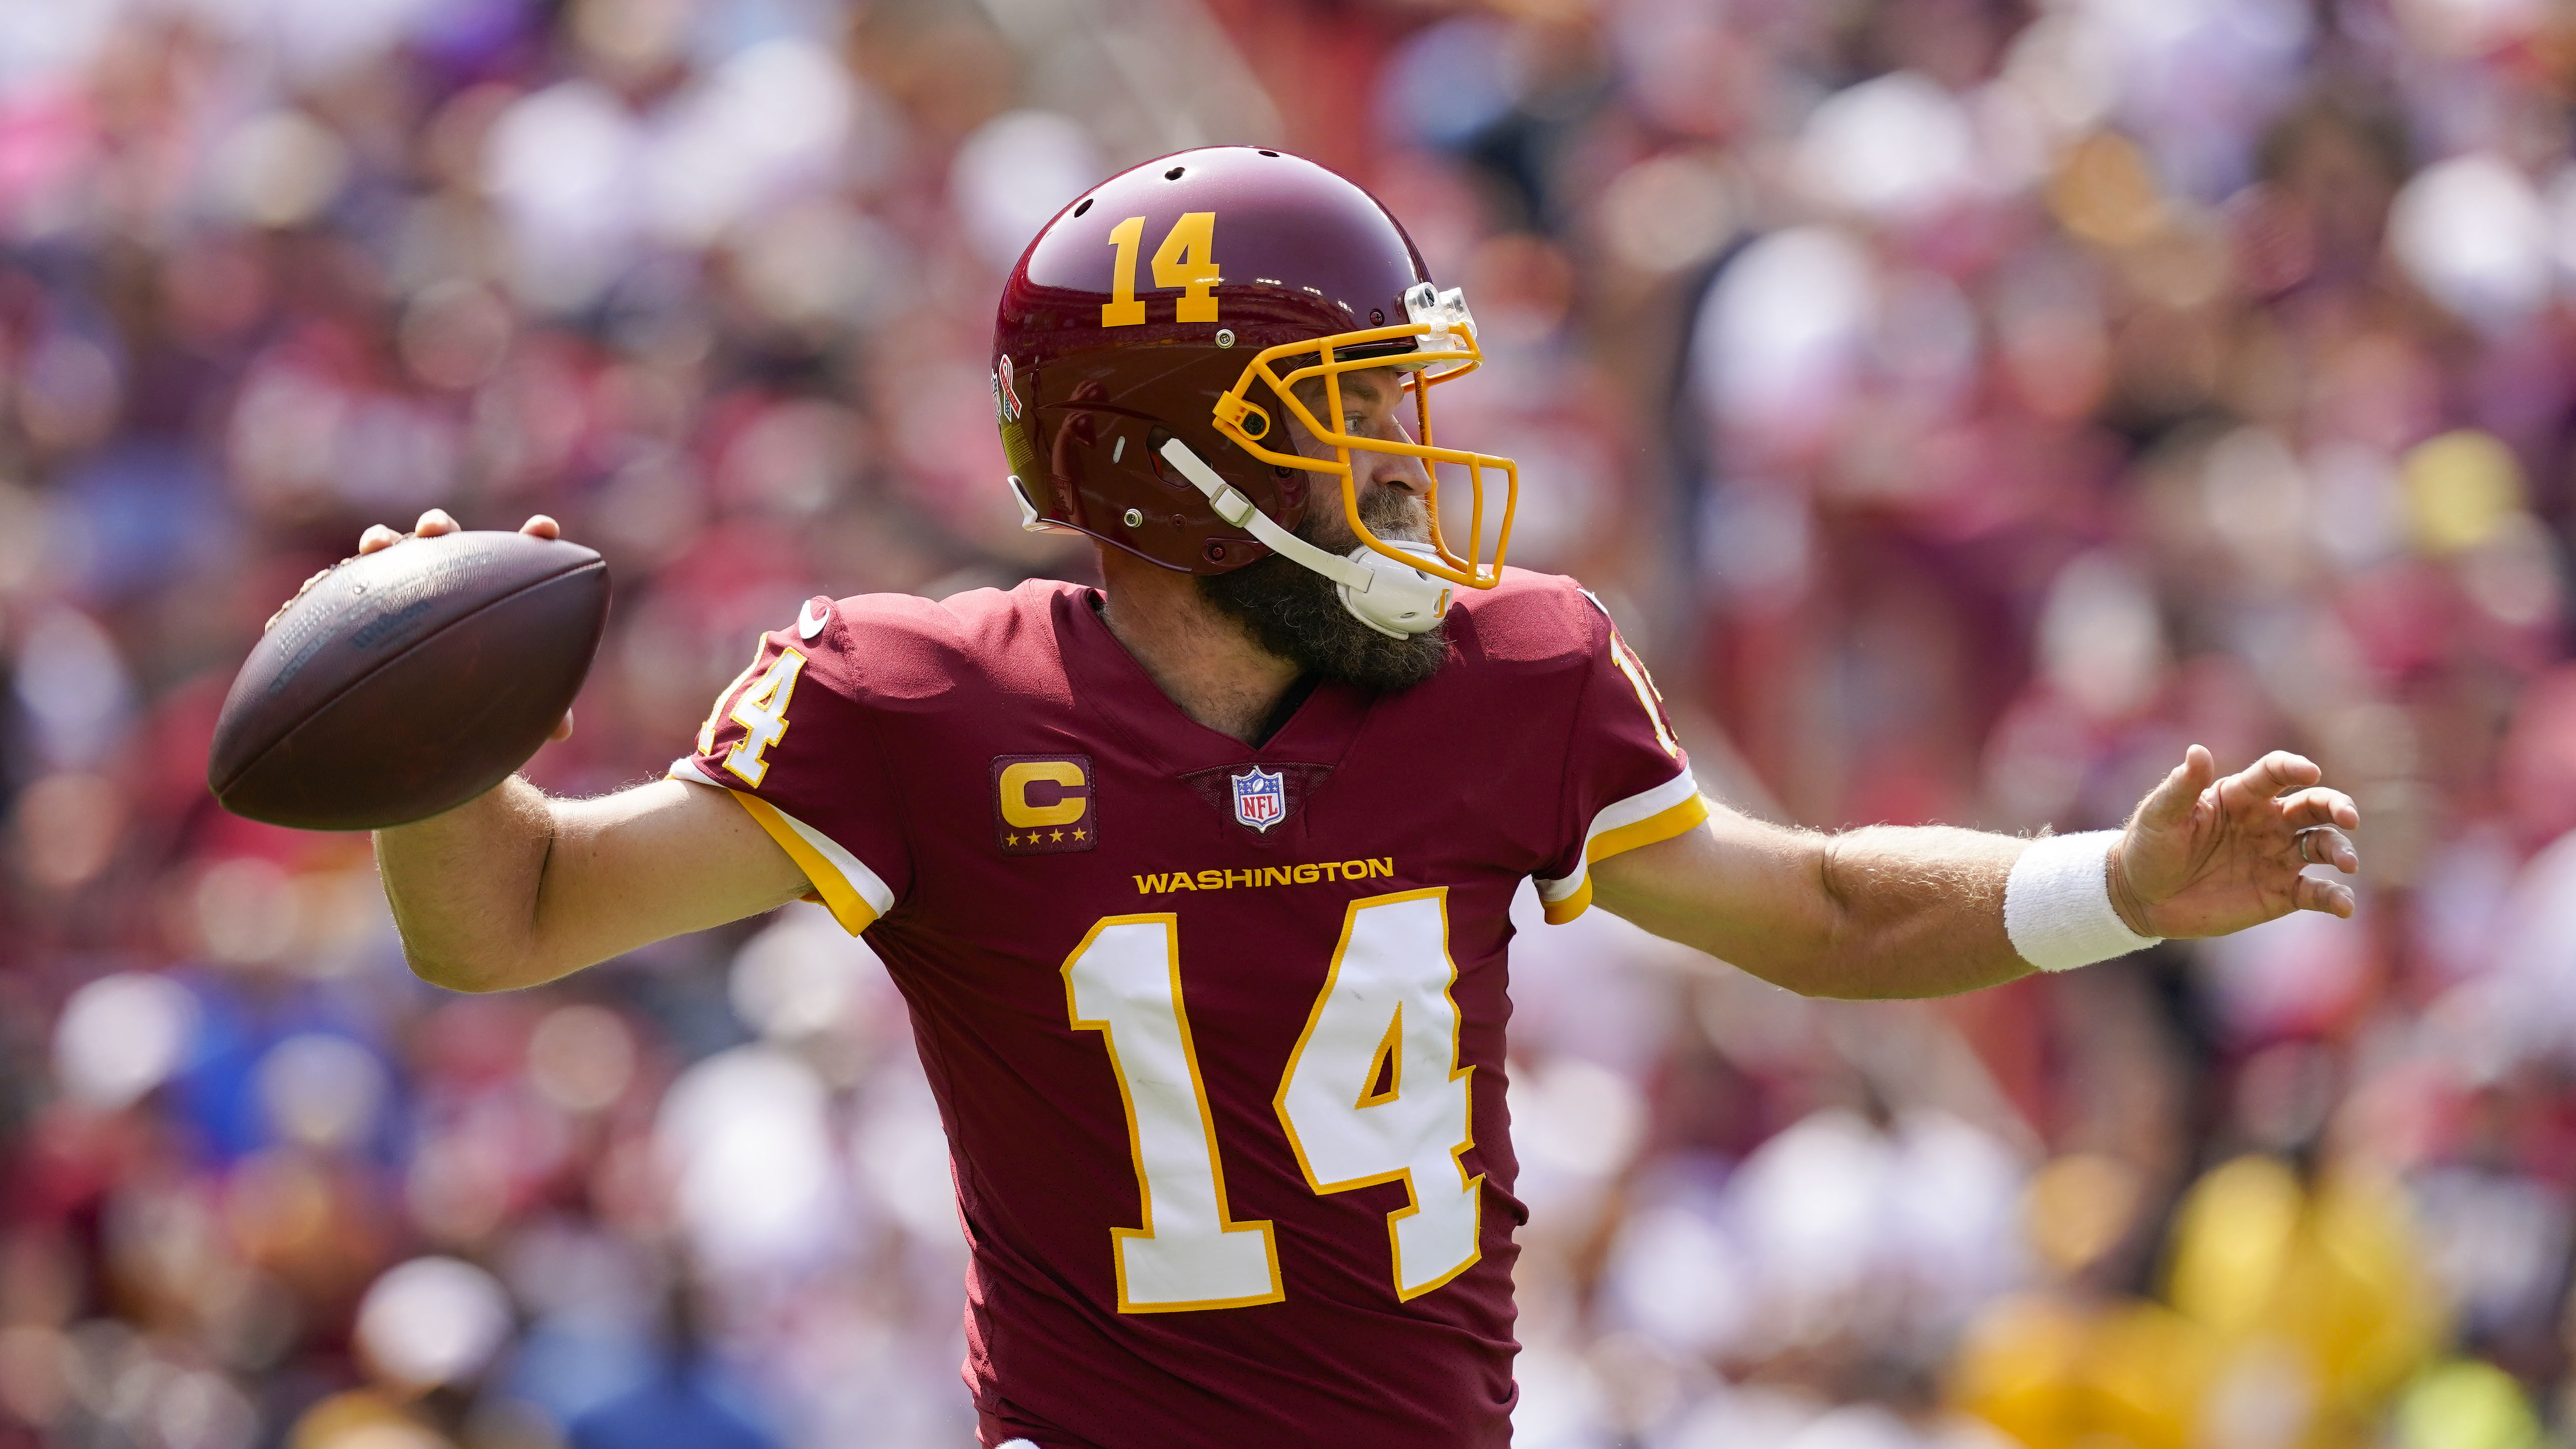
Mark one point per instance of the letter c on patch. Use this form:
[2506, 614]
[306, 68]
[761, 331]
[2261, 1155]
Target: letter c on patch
[1072, 799]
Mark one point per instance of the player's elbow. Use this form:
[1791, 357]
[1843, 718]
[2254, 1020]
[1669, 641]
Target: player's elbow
[1834, 933]
[1829, 947]
[1809, 971]
[455, 948]
[470, 971]
[447, 972]
[1829, 984]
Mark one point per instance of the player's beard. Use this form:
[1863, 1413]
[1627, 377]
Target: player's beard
[1296, 613]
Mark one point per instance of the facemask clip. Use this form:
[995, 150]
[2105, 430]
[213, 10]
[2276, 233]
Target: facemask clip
[1453, 328]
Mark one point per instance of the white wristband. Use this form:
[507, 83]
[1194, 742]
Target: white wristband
[2057, 903]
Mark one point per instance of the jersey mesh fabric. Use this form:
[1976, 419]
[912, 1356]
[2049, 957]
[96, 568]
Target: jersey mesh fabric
[1506, 764]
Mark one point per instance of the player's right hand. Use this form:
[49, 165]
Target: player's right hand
[437, 521]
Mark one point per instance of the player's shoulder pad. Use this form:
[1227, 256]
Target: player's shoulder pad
[1529, 619]
[886, 648]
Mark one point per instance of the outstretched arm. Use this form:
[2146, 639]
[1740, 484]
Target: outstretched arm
[1890, 911]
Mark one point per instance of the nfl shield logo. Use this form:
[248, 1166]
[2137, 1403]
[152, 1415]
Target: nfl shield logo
[1260, 798]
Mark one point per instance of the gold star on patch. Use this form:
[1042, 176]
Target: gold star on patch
[1082, 835]
[1059, 835]
[1010, 840]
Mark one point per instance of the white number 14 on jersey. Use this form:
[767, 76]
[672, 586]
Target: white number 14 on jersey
[1373, 1093]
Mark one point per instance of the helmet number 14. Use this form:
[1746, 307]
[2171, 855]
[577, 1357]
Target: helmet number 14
[1186, 259]
[1372, 1093]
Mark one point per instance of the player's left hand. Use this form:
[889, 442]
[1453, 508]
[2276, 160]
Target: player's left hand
[2203, 856]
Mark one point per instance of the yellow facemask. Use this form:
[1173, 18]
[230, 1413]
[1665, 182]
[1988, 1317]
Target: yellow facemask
[1446, 349]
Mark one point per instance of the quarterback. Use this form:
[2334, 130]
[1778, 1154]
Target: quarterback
[1196, 884]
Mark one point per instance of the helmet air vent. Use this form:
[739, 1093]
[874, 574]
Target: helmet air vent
[1269, 153]
[1174, 174]
[1086, 206]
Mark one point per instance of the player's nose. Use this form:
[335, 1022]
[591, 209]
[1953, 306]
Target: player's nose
[1401, 471]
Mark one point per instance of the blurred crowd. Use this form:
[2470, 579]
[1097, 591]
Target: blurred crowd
[1964, 404]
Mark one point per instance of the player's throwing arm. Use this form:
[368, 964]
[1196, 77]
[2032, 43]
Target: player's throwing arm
[511, 888]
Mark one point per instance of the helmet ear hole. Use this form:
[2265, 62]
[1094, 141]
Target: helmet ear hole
[1155, 438]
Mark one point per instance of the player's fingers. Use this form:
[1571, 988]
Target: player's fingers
[433, 523]
[2171, 801]
[562, 729]
[541, 526]
[2331, 897]
[377, 536]
[2278, 773]
[2325, 845]
[2320, 806]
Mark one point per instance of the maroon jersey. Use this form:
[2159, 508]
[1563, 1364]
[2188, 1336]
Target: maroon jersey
[1216, 1032]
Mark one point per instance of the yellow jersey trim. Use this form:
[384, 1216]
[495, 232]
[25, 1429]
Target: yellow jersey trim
[1686, 815]
[839, 896]
[844, 886]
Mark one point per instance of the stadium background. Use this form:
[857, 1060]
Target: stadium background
[1963, 406]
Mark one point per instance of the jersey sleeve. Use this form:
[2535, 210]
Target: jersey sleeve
[794, 741]
[1628, 781]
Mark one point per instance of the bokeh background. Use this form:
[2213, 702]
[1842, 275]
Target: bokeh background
[1963, 403]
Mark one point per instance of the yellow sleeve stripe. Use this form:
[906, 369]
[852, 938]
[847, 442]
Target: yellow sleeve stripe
[1642, 819]
[1688, 815]
[1561, 911]
[854, 894]
[839, 897]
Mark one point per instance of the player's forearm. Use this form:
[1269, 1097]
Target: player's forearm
[464, 888]
[1916, 911]
[1880, 912]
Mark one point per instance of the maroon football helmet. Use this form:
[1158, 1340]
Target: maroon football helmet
[1151, 334]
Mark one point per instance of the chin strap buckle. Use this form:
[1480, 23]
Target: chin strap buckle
[1232, 506]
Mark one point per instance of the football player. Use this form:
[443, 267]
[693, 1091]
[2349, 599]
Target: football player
[1197, 884]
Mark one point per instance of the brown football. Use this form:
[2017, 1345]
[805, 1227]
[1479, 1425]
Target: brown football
[408, 681]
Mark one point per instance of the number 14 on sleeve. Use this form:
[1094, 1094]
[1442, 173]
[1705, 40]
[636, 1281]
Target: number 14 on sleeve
[762, 713]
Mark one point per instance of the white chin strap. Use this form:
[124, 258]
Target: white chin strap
[1385, 595]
